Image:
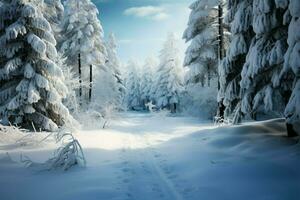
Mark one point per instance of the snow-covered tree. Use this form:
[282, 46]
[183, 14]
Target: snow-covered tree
[292, 63]
[82, 36]
[239, 16]
[147, 80]
[260, 84]
[201, 55]
[113, 71]
[169, 76]
[72, 83]
[133, 93]
[31, 83]
[53, 12]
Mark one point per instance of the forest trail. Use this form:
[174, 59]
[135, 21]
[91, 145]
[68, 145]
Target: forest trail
[142, 156]
[143, 172]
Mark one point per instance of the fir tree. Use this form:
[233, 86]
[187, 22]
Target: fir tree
[113, 68]
[133, 96]
[147, 80]
[53, 12]
[292, 64]
[82, 36]
[260, 84]
[169, 76]
[31, 84]
[239, 17]
[201, 55]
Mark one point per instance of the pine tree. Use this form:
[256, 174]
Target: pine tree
[239, 17]
[31, 84]
[147, 80]
[82, 34]
[292, 63]
[169, 82]
[133, 96]
[260, 84]
[201, 55]
[113, 68]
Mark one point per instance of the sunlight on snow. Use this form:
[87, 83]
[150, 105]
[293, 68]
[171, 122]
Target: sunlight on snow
[134, 136]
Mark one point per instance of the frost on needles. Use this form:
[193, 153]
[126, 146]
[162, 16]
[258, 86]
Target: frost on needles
[32, 85]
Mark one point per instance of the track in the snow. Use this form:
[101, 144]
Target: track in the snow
[142, 173]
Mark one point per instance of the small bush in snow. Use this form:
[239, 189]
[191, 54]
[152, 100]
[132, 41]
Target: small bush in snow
[68, 155]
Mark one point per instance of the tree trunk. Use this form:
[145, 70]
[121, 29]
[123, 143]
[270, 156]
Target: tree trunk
[202, 82]
[254, 116]
[91, 83]
[173, 107]
[208, 76]
[221, 31]
[221, 55]
[80, 81]
[290, 130]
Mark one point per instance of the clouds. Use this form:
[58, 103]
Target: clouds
[142, 25]
[157, 13]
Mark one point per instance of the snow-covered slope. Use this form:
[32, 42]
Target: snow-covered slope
[155, 156]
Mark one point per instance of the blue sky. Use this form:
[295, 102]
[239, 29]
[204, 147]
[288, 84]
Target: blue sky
[142, 25]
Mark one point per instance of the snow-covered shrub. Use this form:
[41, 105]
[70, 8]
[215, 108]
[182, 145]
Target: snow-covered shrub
[69, 154]
[11, 129]
[11, 134]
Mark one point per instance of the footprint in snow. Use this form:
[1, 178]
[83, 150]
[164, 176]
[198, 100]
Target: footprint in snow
[167, 170]
[126, 170]
[186, 191]
[125, 163]
[126, 180]
[172, 176]
[157, 155]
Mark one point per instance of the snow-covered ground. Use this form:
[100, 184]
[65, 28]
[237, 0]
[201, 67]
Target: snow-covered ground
[154, 156]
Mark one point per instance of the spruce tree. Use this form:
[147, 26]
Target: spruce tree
[147, 80]
[292, 64]
[239, 16]
[133, 95]
[31, 84]
[82, 37]
[260, 85]
[53, 12]
[113, 71]
[201, 55]
[169, 76]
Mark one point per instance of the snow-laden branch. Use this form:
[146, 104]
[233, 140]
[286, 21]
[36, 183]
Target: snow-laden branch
[69, 154]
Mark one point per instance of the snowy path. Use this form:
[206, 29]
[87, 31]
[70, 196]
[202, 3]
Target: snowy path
[143, 168]
[143, 174]
[152, 156]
